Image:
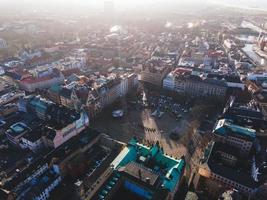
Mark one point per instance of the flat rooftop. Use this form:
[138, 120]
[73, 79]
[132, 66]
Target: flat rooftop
[140, 172]
[225, 127]
[17, 129]
[239, 172]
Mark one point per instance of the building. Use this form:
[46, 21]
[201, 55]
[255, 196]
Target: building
[95, 94]
[62, 123]
[260, 77]
[37, 186]
[154, 74]
[232, 81]
[8, 109]
[65, 125]
[41, 80]
[3, 43]
[170, 79]
[182, 81]
[142, 172]
[261, 99]
[11, 96]
[32, 141]
[16, 132]
[241, 137]
[248, 113]
[229, 45]
[224, 167]
[28, 55]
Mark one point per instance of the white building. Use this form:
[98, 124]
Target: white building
[39, 185]
[124, 86]
[46, 80]
[30, 55]
[3, 43]
[32, 141]
[169, 81]
[257, 77]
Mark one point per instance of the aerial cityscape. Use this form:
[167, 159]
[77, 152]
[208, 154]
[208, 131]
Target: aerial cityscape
[133, 100]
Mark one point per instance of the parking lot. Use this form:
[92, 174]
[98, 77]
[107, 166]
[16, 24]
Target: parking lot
[141, 120]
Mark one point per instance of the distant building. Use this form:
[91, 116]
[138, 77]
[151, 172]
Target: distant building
[154, 75]
[232, 81]
[183, 82]
[8, 109]
[3, 43]
[229, 45]
[28, 55]
[42, 80]
[11, 96]
[2, 71]
[32, 140]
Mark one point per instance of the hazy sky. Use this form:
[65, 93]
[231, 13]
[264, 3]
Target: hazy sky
[243, 2]
[120, 3]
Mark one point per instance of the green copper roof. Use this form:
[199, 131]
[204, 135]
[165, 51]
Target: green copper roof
[224, 127]
[172, 166]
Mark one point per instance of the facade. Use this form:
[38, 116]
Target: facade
[183, 82]
[11, 96]
[170, 80]
[60, 136]
[42, 80]
[38, 185]
[154, 75]
[238, 136]
[95, 97]
[194, 86]
[257, 77]
[8, 109]
[32, 141]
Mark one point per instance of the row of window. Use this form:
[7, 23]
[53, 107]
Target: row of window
[230, 183]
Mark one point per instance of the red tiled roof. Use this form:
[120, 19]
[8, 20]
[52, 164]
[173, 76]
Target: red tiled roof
[39, 79]
[35, 80]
